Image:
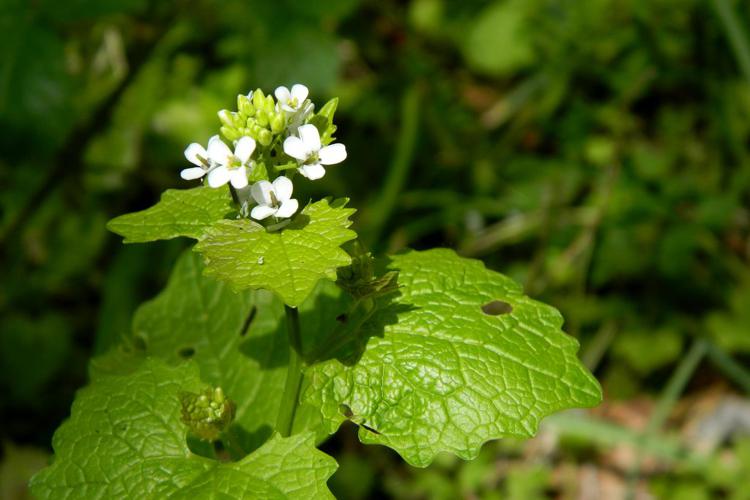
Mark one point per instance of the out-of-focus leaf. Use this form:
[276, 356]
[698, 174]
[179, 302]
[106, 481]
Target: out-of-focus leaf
[34, 84]
[32, 352]
[498, 42]
[638, 349]
[18, 465]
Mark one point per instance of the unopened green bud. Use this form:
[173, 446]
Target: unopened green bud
[226, 118]
[262, 118]
[258, 99]
[278, 123]
[230, 134]
[269, 105]
[265, 137]
[219, 395]
[244, 105]
[208, 414]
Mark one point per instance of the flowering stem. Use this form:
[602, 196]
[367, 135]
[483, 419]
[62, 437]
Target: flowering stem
[290, 399]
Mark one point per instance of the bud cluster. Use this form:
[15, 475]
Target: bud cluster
[257, 116]
[360, 278]
[273, 139]
[207, 414]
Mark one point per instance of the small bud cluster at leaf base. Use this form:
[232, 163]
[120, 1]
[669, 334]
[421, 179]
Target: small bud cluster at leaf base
[263, 145]
[360, 279]
[208, 414]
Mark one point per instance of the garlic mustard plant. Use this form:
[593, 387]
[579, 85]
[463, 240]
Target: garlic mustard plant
[279, 326]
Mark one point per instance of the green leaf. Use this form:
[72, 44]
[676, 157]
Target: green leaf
[124, 439]
[289, 262]
[441, 374]
[323, 120]
[180, 212]
[237, 340]
[499, 41]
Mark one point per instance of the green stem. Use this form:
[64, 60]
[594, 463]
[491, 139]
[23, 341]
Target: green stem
[729, 366]
[735, 34]
[290, 399]
[400, 166]
[674, 388]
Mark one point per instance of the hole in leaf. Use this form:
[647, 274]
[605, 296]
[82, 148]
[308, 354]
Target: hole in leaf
[496, 308]
[345, 410]
[342, 318]
[186, 352]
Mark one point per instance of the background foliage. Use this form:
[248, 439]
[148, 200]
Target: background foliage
[595, 150]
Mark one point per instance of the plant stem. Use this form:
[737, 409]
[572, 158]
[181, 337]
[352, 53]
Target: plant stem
[290, 399]
[731, 368]
[400, 165]
[735, 34]
[674, 388]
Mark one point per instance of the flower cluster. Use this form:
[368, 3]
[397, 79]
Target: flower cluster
[271, 141]
[207, 414]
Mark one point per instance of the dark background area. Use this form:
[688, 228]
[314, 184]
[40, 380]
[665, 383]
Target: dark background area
[594, 150]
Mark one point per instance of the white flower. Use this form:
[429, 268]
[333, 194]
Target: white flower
[273, 199]
[307, 149]
[228, 166]
[291, 101]
[197, 155]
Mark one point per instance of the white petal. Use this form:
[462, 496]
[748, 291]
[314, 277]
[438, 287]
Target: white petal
[299, 92]
[194, 152]
[218, 151]
[283, 187]
[261, 212]
[312, 172]
[238, 177]
[310, 136]
[192, 173]
[261, 192]
[218, 176]
[282, 94]
[294, 147]
[287, 208]
[330, 155]
[244, 148]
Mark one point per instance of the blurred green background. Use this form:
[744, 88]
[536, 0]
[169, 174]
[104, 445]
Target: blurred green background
[598, 151]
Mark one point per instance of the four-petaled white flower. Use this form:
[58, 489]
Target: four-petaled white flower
[291, 101]
[229, 166]
[307, 149]
[197, 155]
[273, 199]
